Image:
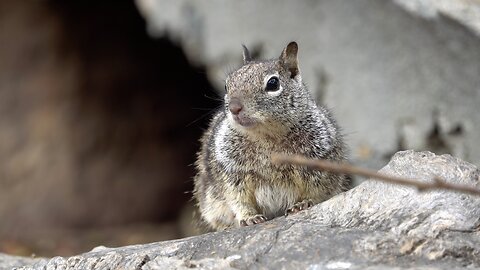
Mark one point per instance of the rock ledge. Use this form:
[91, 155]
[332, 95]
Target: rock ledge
[373, 226]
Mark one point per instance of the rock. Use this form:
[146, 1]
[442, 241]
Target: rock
[10, 262]
[372, 226]
[411, 67]
[465, 12]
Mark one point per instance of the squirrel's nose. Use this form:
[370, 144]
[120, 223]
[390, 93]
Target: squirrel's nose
[235, 106]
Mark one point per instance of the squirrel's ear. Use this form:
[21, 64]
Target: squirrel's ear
[289, 59]
[246, 54]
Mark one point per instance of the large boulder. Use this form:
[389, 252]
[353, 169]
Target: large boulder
[373, 226]
[401, 74]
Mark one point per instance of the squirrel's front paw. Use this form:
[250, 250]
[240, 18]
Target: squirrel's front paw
[299, 206]
[257, 219]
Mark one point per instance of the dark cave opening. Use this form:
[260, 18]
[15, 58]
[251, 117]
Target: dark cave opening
[144, 99]
[114, 117]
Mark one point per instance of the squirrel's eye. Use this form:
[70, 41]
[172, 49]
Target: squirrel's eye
[272, 84]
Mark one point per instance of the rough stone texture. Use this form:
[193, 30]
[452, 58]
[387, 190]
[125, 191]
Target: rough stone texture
[465, 11]
[10, 262]
[373, 226]
[401, 74]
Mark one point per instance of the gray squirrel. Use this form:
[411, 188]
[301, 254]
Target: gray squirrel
[267, 110]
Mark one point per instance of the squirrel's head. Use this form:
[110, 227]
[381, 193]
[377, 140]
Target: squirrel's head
[266, 96]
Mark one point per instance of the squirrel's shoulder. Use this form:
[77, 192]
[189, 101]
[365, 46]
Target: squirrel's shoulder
[208, 138]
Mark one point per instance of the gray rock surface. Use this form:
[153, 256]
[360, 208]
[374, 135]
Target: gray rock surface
[373, 226]
[399, 74]
[467, 12]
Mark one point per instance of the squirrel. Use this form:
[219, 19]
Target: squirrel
[267, 109]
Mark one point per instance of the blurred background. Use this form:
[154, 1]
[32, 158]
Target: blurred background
[102, 103]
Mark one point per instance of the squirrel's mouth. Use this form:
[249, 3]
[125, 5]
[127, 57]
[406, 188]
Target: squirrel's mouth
[243, 120]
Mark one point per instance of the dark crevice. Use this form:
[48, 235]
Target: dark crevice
[135, 127]
[435, 139]
[456, 130]
[145, 259]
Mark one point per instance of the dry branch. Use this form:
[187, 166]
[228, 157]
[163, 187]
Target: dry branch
[325, 165]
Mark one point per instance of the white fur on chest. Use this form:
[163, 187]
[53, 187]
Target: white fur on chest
[273, 201]
[221, 151]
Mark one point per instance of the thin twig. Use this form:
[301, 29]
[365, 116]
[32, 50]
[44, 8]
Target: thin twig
[325, 165]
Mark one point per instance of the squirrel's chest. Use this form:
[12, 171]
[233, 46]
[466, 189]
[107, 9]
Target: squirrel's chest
[272, 201]
[236, 153]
